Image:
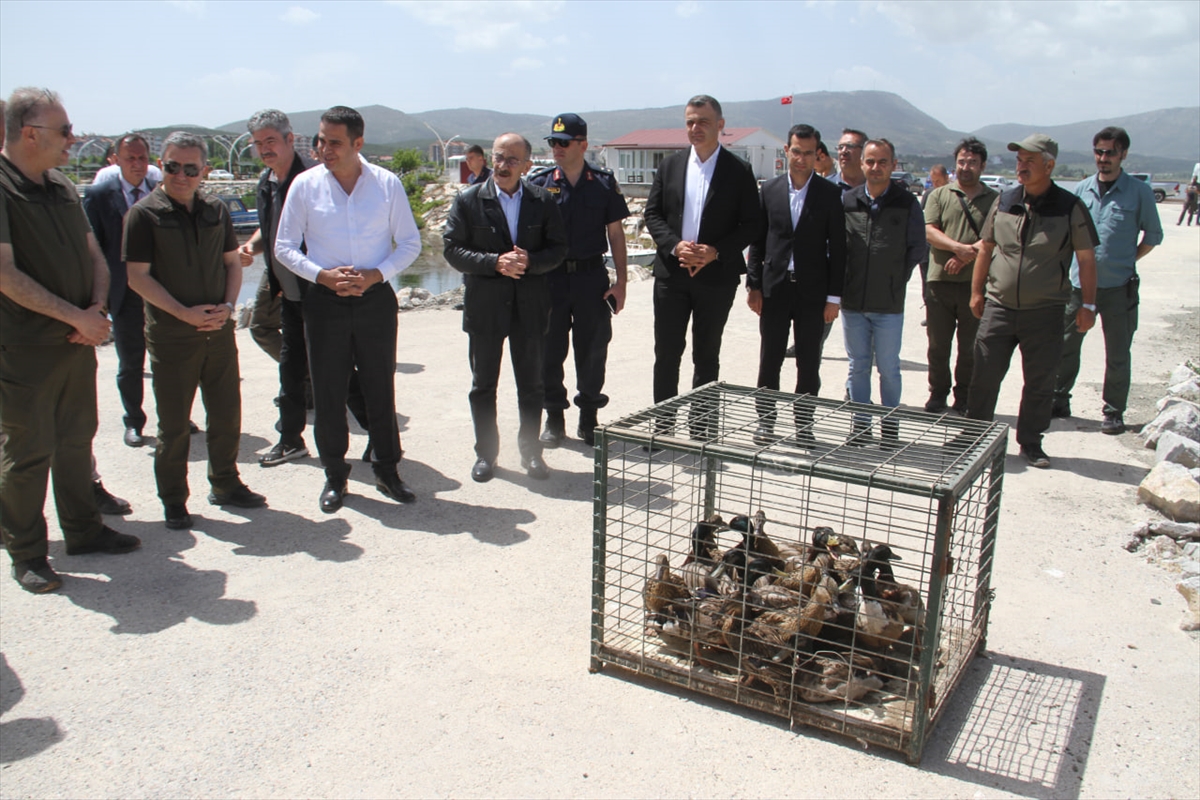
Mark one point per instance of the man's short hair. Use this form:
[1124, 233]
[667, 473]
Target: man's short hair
[528, 146]
[344, 115]
[1112, 134]
[823, 149]
[130, 138]
[271, 118]
[701, 100]
[24, 103]
[891, 148]
[972, 145]
[803, 131]
[184, 140]
[474, 150]
[862, 137]
[940, 168]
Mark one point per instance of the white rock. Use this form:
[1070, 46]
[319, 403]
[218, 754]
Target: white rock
[1190, 589]
[1163, 551]
[1166, 401]
[1192, 550]
[1188, 567]
[421, 293]
[1182, 373]
[1172, 490]
[1182, 417]
[1188, 390]
[1181, 450]
[1176, 530]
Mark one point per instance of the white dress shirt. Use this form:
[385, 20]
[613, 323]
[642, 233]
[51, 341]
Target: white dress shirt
[347, 230]
[113, 170]
[796, 198]
[695, 191]
[511, 206]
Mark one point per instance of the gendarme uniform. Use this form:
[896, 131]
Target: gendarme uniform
[577, 286]
[48, 390]
[185, 250]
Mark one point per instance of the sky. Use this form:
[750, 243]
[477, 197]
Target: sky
[131, 65]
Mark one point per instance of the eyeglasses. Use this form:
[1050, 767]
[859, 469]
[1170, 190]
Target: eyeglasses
[66, 131]
[173, 167]
[846, 148]
[1100, 151]
[563, 143]
[511, 161]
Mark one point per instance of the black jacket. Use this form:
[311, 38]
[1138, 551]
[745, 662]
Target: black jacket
[885, 240]
[269, 214]
[730, 221]
[475, 236]
[105, 208]
[817, 244]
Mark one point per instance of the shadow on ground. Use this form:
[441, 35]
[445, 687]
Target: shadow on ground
[25, 736]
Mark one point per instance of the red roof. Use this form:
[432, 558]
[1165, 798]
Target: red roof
[668, 138]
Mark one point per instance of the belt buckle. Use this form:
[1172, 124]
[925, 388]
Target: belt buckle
[791, 275]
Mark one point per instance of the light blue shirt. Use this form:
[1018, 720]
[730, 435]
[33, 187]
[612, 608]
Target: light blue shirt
[1125, 210]
[511, 206]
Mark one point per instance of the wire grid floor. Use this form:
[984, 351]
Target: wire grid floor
[926, 486]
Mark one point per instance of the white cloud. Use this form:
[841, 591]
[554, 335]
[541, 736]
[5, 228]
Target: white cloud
[299, 15]
[525, 63]
[483, 25]
[194, 7]
[687, 8]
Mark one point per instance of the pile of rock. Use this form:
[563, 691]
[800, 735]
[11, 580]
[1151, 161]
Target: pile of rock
[442, 194]
[414, 297]
[1173, 488]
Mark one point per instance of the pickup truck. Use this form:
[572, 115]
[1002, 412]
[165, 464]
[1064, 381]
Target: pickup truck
[1161, 190]
[244, 220]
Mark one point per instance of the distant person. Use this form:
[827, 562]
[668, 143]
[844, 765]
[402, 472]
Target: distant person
[954, 217]
[53, 293]
[849, 157]
[938, 177]
[1122, 208]
[106, 205]
[825, 166]
[1191, 200]
[477, 164]
[113, 169]
[1026, 242]
[592, 207]
[795, 272]
[348, 229]
[703, 211]
[189, 284]
[885, 240]
[504, 235]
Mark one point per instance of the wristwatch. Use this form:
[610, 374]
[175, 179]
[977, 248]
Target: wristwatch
[1090, 307]
[231, 308]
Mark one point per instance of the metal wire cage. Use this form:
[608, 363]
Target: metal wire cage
[841, 578]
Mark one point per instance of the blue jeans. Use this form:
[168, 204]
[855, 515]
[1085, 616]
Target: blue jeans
[873, 338]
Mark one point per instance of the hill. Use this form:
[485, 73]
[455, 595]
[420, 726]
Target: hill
[1169, 133]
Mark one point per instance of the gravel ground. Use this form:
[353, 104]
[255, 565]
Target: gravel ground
[441, 649]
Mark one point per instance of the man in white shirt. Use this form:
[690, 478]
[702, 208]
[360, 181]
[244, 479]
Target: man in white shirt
[357, 227]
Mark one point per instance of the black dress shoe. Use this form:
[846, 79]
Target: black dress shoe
[134, 438]
[390, 485]
[177, 516]
[482, 471]
[331, 497]
[763, 435]
[107, 541]
[241, 497]
[36, 576]
[535, 468]
[107, 503]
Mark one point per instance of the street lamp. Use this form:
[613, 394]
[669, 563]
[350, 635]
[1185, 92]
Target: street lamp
[442, 143]
[231, 149]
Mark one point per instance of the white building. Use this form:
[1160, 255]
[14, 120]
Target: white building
[635, 157]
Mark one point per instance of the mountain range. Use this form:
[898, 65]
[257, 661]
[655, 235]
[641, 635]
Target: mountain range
[1169, 137]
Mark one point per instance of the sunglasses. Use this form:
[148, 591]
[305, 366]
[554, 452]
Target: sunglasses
[66, 131]
[563, 143]
[173, 167]
[1100, 151]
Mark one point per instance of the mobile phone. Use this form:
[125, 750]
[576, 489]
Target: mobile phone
[612, 304]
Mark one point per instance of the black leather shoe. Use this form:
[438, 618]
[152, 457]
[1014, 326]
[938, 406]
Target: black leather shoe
[134, 438]
[535, 468]
[1061, 411]
[36, 576]
[555, 431]
[482, 471]
[936, 404]
[107, 503]
[241, 497]
[390, 486]
[587, 426]
[107, 541]
[177, 516]
[331, 497]
[763, 435]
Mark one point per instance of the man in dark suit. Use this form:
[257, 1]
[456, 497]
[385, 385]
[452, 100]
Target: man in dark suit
[703, 210]
[106, 205]
[796, 268]
[504, 235]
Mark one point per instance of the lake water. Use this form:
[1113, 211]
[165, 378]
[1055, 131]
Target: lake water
[430, 270]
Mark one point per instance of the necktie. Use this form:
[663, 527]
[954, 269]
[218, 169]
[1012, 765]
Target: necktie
[136, 193]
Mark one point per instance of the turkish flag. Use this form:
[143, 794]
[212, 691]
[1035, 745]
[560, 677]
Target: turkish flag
[785, 101]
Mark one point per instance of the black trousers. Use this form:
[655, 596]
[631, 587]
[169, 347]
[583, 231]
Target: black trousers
[676, 301]
[786, 311]
[344, 334]
[579, 318]
[485, 353]
[129, 337]
[1039, 334]
[948, 317]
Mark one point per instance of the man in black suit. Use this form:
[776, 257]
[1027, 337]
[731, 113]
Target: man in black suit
[504, 235]
[703, 210]
[796, 268]
[106, 205]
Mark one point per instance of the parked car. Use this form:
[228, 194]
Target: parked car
[997, 182]
[245, 220]
[1161, 190]
[220, 175]
[909, 182]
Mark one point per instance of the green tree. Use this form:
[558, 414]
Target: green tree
[406, 160]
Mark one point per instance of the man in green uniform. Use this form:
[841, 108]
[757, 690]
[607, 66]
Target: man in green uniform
[182, 257]
[53, 285]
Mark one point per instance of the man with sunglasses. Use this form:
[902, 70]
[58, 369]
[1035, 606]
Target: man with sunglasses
[53, 296]
[1122, 208]
[849, 158]
[182, 257]
[592, 208]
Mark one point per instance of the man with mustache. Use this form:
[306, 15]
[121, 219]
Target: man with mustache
[504, 235]
[1023, 264]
